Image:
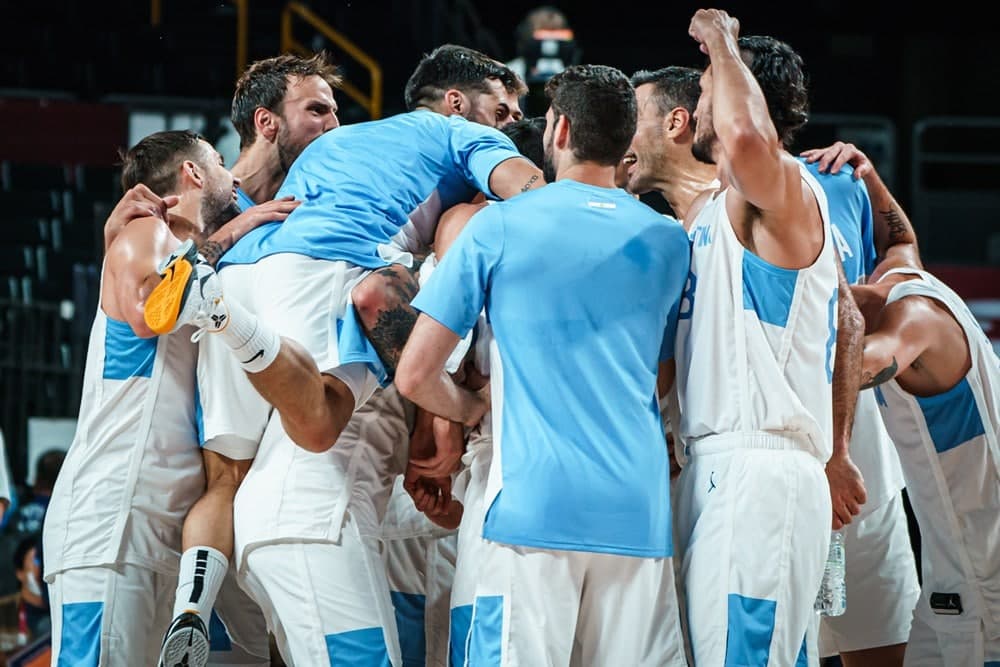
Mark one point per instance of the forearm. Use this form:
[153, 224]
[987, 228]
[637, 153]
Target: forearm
[224, 238]
[893, 230]
[846, 369]
[438, 394]
[739, 109]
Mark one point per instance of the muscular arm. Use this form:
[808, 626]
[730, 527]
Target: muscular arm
[514, 176]
[131, 270]
[847, 364]
[895, 240]
[904, 333]
[421, 376]
[746, 134]
[847, 490]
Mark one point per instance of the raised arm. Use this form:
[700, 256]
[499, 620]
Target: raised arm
[895, 240]
[750, 147]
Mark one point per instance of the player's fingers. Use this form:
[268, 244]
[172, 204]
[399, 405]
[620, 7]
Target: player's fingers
[810, 155]
[853, 507]
[170, 201]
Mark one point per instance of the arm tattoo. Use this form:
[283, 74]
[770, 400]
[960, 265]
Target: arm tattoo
[211, 251]
[868, 380]
[390, 333]
[531, 181]
[897, 228]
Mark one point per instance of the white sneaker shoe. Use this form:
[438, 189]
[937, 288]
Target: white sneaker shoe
[190, 293]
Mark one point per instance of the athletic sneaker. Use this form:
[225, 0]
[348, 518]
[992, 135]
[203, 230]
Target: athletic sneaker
[190, 293]
[186, 642]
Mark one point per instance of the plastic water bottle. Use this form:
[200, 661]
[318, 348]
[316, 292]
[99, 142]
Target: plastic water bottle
[832, 598]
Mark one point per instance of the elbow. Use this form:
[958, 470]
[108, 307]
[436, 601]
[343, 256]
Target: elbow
[408, 378]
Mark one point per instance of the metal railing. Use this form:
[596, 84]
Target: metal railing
[953, 177]
[372, 102]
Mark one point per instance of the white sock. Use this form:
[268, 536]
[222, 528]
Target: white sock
[255, 344]
[201, 575]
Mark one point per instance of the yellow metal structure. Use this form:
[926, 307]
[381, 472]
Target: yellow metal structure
[371, 102]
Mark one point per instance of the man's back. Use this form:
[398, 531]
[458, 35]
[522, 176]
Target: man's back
[359, 186]
[583, 287]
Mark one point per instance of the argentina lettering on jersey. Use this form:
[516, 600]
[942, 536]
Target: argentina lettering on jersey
[579, 456]
[362, 185]
[851, 227]
[948, 447]
[850, 220]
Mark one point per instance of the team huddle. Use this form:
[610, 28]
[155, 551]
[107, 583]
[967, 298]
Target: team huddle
[440, 389]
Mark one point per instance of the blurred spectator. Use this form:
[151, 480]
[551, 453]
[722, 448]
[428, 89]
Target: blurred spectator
[33, 610]
[28, 517]
[545, 46]
[5, 490]
[24, 614]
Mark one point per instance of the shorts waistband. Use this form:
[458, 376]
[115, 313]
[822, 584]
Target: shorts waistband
[713, 444]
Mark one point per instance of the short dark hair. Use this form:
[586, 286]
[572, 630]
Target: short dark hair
[453, 66]
[527, 135]
[154, 161]
[600, 104]
[265, 82]
[27, 543]
[674, 87]
[47, 467]
[780, 72]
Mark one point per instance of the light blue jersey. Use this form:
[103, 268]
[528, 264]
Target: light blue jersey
[582, 287]
[243, 200]
[360, 186]
[850, 219]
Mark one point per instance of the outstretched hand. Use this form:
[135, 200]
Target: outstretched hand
[275, 210]
[832, 158]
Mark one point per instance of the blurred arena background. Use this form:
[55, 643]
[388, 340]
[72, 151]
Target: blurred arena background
[81, 80]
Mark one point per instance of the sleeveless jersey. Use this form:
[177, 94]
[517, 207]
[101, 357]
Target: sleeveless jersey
[134, 467]
[755, 342]
[948, 445]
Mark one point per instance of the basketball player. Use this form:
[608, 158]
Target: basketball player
[280, 105]
[300, 275]
[939, 379]
[755, 351]
[594, 308]
[880, 575]
[113, 528]
[660, 158]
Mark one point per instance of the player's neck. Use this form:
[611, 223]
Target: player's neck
[260, 172]
[185, 220]
[589, 173]
[681, 185]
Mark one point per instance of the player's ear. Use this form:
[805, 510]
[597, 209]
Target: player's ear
[455, 102]
[191, 173]
[266, 122]
[560, 133]
[676, 121]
